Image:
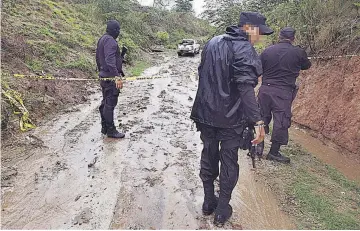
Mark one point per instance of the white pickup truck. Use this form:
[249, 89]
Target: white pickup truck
[188, 46]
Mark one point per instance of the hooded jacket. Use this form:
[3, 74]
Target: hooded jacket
[108, 57]
[228, 73]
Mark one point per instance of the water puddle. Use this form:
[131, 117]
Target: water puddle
[328, 153]
[254, 204]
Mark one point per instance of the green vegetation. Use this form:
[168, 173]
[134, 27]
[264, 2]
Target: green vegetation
[183, 5]
[53, 35]
[138, 68]
[162, 37]
[317, 195]
[323, 26]
[59, 38]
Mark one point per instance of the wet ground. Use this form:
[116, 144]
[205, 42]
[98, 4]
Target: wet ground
[66, 175]
[328, 152]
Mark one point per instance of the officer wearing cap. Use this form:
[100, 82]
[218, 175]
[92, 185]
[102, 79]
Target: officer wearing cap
[281, 64]
[109, 63]
[225, 98]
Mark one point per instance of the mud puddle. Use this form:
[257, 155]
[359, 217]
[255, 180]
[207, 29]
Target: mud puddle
[74, 178]
[328, 153]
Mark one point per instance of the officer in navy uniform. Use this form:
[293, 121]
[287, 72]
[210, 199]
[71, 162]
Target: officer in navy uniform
[109, 63]
[281, 64]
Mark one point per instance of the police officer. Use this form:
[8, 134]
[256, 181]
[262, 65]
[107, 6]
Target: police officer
[281, 66]
[228, 73]
[109, 63]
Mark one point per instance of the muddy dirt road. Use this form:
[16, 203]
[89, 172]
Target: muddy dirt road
[66, 175]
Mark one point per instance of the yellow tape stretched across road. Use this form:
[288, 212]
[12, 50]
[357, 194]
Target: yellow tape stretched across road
[333, 57]
[133, 78]
[50, 77]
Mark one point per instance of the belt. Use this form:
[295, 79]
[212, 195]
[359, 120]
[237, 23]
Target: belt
[287, 88]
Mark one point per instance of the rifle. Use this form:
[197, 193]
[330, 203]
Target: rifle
[123, 51]
[254, 149]
[252, 154]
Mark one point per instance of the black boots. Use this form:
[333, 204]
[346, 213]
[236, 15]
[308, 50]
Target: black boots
[103, 128]
[111, 132]
[278, 157]
[209, 205]
[222, 215]
[210, 200]
[221, 207]
[275, 155]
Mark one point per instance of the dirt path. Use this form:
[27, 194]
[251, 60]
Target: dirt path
[65, 175]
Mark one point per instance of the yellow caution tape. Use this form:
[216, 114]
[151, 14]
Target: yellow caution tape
[333, 57]
[14, 98]
[50, 77]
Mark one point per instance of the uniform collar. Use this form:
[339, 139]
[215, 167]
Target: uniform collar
[285, 41]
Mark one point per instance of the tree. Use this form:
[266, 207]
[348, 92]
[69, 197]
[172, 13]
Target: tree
[184, 5]
[222, 13]
[162, 4]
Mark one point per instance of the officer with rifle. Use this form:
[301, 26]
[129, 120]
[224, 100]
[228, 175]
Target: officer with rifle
[225, 105]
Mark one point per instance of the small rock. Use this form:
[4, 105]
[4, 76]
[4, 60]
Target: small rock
[190, 98]
[77, 198]
[93, 162]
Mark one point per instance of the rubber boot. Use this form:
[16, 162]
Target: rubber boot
[113, 133]
[210, 200]
[222, 215]
[103, 127]
[275, 154]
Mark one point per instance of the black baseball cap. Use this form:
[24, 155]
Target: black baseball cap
[287, 33]
[255, 19]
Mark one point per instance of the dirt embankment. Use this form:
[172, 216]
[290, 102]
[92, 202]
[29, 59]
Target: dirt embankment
[328, 101]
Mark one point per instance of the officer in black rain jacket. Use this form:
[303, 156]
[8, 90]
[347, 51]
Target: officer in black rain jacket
[228, 73]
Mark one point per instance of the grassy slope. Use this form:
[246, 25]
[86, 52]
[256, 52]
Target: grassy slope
[59, 38]
[316, 195]
[52, 37]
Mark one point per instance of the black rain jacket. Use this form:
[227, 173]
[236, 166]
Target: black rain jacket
[228, 73]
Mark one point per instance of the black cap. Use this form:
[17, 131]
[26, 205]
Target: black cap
[255, 19]
[287, 33]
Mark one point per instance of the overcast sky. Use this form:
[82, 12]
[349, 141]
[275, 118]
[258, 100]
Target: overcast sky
[198, 5]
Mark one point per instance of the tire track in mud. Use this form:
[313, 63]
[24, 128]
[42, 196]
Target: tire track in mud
[149, 180]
